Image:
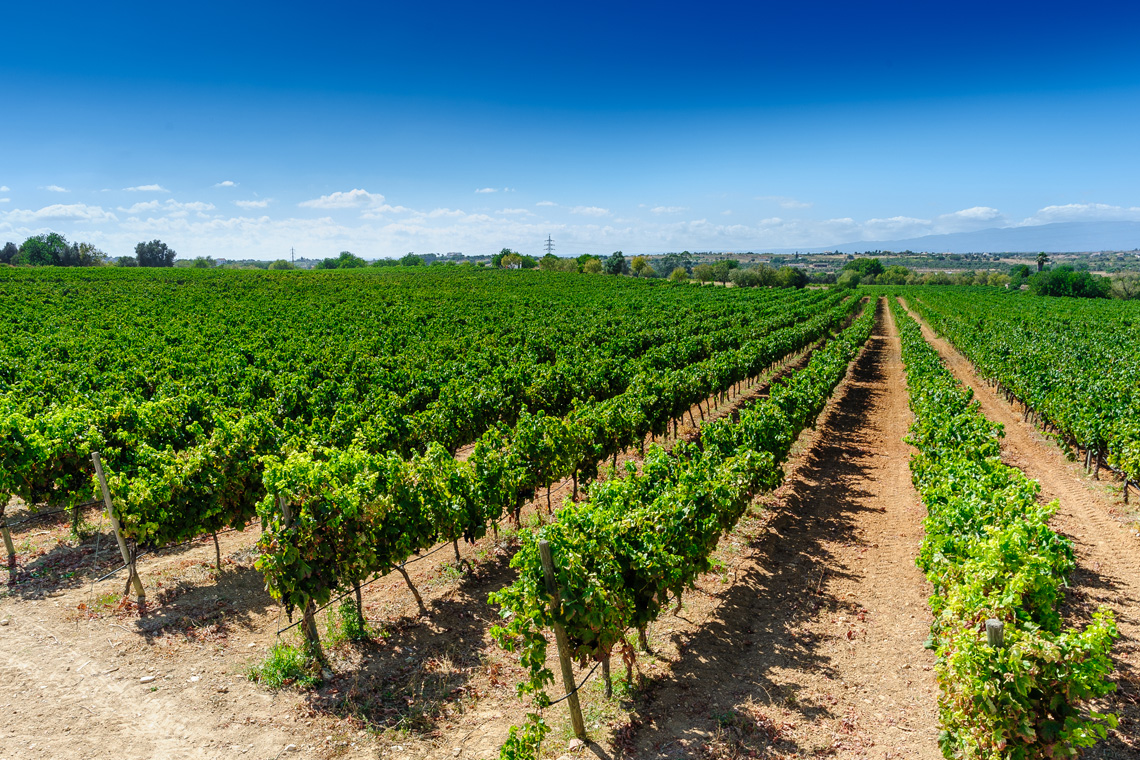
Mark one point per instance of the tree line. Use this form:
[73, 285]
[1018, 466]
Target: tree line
[51, 249]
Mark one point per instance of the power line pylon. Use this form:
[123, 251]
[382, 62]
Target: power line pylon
[549, 246]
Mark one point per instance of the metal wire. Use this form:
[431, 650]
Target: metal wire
[378, 577]
[579, 686]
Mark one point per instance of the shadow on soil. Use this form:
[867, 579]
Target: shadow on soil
[416, 671]
[1086, 587]
[727, 668]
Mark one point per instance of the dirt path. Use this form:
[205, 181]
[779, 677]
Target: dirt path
[1108, 553]
[816, 649]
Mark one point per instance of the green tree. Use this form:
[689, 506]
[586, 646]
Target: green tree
[678, 275]
[346, 260]
[154, 254]
[848, 279]
[670, 261]
[581, 260]
[592, 265]
[204, 262]
[497, 259]
[282, 264]
[616, 264]
[639, 265]
[894, 275]
[1019, 270]
[704, 272]
[1042, 260]
[45, 250]
[8, 252]
[791, 277]
[511, 261]
[865, 266]
[411, 260]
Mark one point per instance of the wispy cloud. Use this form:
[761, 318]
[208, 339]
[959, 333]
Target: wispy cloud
[351, 199]
[75, 212]
[1083, 212]
[253, 204]
[226, 183]
[55, 189]
[521, 211]
[146, 189]
[546, 203]
[487, 190]
[5, 189]
[590, 211]
[5, 200]
[784, 201]
[167, 208]
[669, 209]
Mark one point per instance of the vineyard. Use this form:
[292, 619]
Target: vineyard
[582, 457]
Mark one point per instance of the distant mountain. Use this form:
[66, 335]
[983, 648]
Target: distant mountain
[1059, 237]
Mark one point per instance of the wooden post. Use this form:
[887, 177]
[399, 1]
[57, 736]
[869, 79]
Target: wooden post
[217, 553]
[563, 643]
[12, 549]
[1125, 501]
[995, 633]
[128, 557]
[309, 628]
[606, 676]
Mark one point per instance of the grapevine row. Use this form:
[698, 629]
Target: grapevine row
[1072, 363]
[639, 540]
[990, 555]
[333, 517]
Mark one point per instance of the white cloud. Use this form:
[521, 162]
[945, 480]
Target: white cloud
[784, 201]
[55, 189]
[142, 207]
[170, 207]
[253, 204]
[4, 189]
[522, 211]
[1080, 212]
[379, 212]
[78, 212]
[146, 189]
[970, 219]
[351, 199]
[726, 212]
[546, 203]
[590, 211]
[226, 183]
[669, 209]
[487, 190]
[451, 212]
[5, 200]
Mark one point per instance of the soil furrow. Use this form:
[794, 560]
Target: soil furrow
[1108, 567]
[817, 648]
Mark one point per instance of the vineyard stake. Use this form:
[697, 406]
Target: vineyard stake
[995, 633]
[563, 643]
[12, 549]
[128, 557]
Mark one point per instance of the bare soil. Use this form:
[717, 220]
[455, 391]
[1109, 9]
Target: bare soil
[1107, 546]
[805, 641]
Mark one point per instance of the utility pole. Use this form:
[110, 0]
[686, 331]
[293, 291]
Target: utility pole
[549, 245]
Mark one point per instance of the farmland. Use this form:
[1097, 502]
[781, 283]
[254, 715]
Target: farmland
[334, 491]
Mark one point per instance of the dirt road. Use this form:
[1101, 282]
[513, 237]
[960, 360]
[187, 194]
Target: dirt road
[1108, 553]
[816, 649]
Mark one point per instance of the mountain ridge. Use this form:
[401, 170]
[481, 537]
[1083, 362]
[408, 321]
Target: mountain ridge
[1056, 237]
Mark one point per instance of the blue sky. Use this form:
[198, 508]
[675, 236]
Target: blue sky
[241, 130]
